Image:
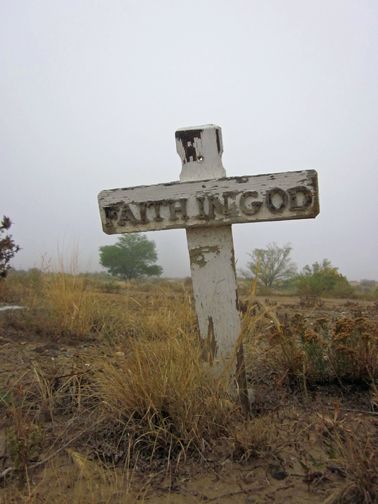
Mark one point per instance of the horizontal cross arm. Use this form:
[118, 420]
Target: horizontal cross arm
[208, 203]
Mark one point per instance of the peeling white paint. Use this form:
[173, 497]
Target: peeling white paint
[213, 277]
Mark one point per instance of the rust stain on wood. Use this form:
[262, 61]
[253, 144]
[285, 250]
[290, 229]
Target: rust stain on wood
[198, 254]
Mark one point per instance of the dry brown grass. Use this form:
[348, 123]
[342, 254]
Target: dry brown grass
[65, 305]
[137, 396]
[353, 447]
[312, 350]
[164, 395]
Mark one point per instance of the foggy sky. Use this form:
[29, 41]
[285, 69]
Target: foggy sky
[91, 93]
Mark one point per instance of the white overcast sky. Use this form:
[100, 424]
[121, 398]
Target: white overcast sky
[91, 93]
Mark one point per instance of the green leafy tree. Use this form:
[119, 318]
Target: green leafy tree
[8, 248]
[272, 265]
[323, 279]
[133, 256]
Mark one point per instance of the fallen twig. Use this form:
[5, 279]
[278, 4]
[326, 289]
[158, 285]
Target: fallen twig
[6, 472]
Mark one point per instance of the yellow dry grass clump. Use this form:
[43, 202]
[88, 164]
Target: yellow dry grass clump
[73, 307]
[162, 391]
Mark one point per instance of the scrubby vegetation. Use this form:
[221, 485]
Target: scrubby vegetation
[323, 279]
[8, 247]
[104, 397]
[275, 273]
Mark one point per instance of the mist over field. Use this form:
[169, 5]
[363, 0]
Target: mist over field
[91, 94]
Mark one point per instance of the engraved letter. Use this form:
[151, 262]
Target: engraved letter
[156, 205]
[174, 209]
[300, 198]
[201, 208]
[111, 215]
[143, 212]
[215, 204]
[231, 207]
[127, 216]
[111, 212]
[252, 208]
[276, 200]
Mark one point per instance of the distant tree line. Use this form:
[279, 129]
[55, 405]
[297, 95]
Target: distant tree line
[134, 257]
[273, 267]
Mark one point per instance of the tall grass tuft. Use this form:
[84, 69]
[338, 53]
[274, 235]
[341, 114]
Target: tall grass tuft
[164, 396]
[71, 305]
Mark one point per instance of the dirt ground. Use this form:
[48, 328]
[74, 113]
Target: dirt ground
[298, 462]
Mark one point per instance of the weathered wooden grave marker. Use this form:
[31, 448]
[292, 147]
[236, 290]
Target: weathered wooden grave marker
[205, 202]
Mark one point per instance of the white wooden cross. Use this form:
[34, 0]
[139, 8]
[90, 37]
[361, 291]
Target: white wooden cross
[205, 202]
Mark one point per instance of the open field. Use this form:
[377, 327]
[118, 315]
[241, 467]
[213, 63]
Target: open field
[104, 399]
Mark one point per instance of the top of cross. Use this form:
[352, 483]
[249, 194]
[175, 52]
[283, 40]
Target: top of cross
[200, 149]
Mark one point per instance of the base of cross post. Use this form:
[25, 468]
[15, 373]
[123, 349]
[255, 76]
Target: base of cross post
[217, 307]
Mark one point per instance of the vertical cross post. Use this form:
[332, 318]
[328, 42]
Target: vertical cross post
[212, 262]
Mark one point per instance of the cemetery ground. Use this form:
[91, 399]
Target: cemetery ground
[104, 397]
